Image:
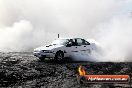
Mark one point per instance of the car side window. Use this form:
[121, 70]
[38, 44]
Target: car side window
[84, 42]
[79, 42]
[72, 42]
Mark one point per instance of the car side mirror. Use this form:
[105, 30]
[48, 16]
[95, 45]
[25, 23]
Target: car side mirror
[68, 45]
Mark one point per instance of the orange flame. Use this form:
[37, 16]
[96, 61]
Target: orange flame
[81, 71]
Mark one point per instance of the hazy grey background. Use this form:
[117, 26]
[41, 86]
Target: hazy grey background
[27, 24]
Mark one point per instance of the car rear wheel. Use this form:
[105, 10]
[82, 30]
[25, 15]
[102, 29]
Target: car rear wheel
[59, 55]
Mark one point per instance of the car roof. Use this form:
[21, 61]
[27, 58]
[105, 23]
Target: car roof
[69, 38]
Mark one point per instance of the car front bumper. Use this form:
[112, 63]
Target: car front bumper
[46, 55]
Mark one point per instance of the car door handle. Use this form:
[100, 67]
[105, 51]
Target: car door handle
[75, 47]
[84, 46]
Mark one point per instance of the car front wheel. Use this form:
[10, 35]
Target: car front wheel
[59, 55]
[42, 58]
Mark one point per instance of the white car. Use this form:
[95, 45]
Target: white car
[64, 47]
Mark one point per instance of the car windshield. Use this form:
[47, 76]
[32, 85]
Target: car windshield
[60, 42]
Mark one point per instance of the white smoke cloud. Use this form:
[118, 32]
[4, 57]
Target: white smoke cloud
[116, 39]
[16, 37]
[26, 24]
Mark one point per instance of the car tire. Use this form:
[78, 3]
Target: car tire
[59, 55]
[42, 58]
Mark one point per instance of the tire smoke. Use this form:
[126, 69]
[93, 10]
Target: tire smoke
[27, 24]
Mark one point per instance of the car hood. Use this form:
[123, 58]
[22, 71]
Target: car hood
[47, 47]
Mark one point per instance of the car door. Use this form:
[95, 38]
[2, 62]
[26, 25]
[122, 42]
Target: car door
[72, 48]
[86, 46]
[83, 46]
